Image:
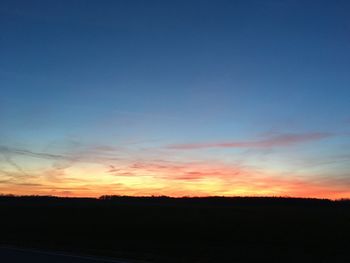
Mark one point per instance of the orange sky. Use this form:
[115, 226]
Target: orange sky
[167, 178]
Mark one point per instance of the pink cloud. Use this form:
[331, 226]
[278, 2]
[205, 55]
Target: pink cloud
[275, 141]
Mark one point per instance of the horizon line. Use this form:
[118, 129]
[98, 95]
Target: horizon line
[101, 197]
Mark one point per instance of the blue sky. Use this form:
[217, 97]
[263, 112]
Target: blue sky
[262, 85]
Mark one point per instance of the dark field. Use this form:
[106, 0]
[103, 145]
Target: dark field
[161, 229]
[15, 255]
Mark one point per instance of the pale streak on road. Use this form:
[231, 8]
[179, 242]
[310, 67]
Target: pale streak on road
[17, 255]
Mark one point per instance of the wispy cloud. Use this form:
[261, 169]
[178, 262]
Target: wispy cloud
[11, 150]
[281, 140]
[93, 155]
[181, 171]
[14, 164]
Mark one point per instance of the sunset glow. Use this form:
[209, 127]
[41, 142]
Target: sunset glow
[175, 98]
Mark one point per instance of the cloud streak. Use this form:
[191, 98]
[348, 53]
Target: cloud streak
[282, 140]
[93, 155]
[8, 150]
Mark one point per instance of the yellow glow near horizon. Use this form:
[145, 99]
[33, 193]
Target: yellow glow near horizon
[93, 180]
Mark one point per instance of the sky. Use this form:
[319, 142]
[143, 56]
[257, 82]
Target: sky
[178, 98]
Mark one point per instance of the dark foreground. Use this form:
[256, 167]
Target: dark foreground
[181, 230]
[15, 255]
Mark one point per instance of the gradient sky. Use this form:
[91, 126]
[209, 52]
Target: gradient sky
[175, 98]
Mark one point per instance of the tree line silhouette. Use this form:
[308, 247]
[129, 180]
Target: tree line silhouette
[188, 229]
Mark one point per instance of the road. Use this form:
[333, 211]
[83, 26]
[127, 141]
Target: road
[17, 255]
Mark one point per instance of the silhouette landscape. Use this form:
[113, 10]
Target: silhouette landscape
[188, 229]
